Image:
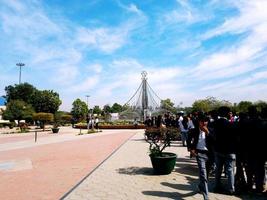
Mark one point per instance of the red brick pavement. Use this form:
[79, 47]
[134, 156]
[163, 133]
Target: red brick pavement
[56, 167]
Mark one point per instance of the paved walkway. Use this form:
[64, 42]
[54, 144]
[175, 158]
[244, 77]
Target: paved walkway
[46, 170]
[127, 174]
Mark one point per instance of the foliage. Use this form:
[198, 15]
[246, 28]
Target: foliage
[18, 110]
[43, 117]
[209, 104]
[160, 138]
[46, 101]
[260, 105]
[79, 109]
[66, 118]
[23, 91]
[97, 110]
[167, 105]
[116, 108]
[107, 109]
[243, 106]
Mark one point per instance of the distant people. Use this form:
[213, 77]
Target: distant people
[198, 146]
[135, 123]
[185, 125]
[96, 123]
[159, 121]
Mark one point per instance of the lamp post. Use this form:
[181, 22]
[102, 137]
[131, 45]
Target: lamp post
[87, 115]
[87, 97]
[20, 65]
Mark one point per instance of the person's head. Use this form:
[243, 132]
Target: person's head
[223, 111]
[202, 120]
[252, 111]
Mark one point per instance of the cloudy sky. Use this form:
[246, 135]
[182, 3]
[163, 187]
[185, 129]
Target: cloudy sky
[190, 49]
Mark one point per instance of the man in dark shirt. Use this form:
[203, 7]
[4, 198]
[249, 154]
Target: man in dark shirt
[225, 149]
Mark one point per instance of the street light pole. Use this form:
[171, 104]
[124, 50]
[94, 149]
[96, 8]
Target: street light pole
[20, 65]
[87, 96]
[87, 115]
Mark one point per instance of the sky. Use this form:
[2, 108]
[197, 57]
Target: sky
[190, 49]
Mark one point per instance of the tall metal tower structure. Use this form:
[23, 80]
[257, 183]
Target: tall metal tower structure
[144, 102]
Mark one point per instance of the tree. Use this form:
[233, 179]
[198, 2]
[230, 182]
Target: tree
[24, 92]
[116, 108]
[209, 104]
[43, 118]
[260, 105]
[46, 101]
[168, 105]
[243, 106]
[79, 109]
[97, 110]
[107, 109]
[18, 110]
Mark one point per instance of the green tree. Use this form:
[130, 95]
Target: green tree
[208, 104]
[46, 101]
[79, 109]
[107, 109]
[260, 105]
[97, 110]
[43, 118]
[24, 92]
[243, 106]
[116, 108]
[18, 110]
[168, 105]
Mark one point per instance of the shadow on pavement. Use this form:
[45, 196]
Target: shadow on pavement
[190, 189]
[170, 195]
[136, 171]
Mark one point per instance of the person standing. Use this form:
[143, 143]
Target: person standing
[198, 145]
[225, 150]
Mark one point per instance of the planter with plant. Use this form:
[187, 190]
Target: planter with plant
[55, 128]
[159, 139]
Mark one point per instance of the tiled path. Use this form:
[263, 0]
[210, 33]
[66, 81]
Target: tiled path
[52, 166]
[127, 174]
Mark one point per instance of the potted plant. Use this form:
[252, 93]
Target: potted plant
[159, 139]
[55, 128]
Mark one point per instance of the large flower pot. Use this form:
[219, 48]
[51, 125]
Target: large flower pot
[163, 164]
[55, 130]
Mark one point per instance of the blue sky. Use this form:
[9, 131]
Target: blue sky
[190, 49]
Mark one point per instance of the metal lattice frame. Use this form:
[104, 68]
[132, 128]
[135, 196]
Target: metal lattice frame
[144, 101]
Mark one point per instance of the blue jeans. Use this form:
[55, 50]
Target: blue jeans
[184, 137]
[226, 160]
[202, 159]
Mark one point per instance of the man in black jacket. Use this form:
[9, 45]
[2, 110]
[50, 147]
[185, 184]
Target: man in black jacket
[225, 149]
[197, 144]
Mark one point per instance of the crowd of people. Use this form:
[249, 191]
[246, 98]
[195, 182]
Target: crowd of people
[224, 142]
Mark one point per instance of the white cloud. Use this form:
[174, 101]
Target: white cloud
[242, 56]
[85, 86]
[126, 64]
[106, 40]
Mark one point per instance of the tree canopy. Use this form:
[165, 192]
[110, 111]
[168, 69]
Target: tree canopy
[23, 91]
[79, 109]
[18, 110]
[46, 101]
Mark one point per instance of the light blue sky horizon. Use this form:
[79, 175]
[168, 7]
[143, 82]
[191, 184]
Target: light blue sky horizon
[190, 49]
